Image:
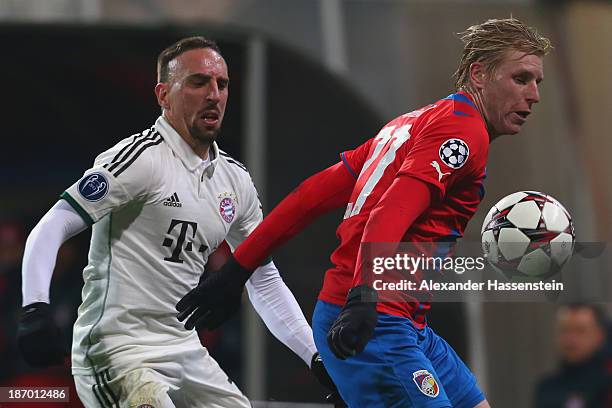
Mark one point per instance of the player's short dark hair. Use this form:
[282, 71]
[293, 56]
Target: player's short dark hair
[599, 314]
[178, 48]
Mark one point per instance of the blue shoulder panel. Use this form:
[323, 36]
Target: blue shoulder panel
[461, 98]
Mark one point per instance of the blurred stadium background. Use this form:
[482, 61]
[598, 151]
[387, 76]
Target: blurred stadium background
[309, 79]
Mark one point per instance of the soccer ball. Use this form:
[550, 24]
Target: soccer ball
[528, 235]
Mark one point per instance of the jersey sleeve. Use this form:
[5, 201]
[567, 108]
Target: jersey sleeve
[444, 151]
[320, 193]
[251, 215]
[113, 182]
[354, 159]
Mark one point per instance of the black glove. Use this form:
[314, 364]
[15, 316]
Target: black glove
[318, 370]
[355, 324]
[38, 337]
[216, 298]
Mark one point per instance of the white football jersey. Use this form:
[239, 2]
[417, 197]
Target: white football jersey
[158, 211]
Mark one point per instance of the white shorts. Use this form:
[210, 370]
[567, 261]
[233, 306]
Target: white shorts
[192, 379]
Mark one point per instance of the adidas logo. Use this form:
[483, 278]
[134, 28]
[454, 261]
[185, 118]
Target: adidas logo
[173, 201]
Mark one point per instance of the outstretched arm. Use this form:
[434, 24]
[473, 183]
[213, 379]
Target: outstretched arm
[218, 295]
[37, 336]
[282, 315]
[275, 304]
[320, 193]
[59, 224]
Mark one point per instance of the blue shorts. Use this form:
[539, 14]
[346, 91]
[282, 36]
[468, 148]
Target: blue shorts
[401, 366]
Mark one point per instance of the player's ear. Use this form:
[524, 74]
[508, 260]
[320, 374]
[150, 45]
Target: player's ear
[478, 75]
[161, 92]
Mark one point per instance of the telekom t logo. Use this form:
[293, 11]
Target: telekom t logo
[185, 227]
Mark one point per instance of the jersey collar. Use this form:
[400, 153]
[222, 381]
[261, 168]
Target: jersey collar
[465, 98]
[191, 160]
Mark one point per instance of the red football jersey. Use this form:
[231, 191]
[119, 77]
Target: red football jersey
[445, 145]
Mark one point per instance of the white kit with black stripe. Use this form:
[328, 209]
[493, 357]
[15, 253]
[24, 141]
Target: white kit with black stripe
[157, 211]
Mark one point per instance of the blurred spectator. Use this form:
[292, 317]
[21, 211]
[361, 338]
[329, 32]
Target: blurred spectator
[584, 378]
[12, 242]
[66, 288]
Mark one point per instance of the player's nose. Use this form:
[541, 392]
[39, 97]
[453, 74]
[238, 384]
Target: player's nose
[213, 93]
[532, 93]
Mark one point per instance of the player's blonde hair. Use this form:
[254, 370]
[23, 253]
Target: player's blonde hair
[488, 42]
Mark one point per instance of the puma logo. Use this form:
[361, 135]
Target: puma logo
[436, 166]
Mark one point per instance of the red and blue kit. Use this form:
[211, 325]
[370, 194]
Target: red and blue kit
[419, 180]
[444, 145]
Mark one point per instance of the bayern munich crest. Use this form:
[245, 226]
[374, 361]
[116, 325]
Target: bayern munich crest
[426, 382]
[454, 153]
[227, 209]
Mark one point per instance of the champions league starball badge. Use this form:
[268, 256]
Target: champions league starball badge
[454, 153]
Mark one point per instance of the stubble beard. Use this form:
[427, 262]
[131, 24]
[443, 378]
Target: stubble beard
[204, 136]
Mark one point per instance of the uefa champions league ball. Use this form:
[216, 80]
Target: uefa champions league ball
[528, 235]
